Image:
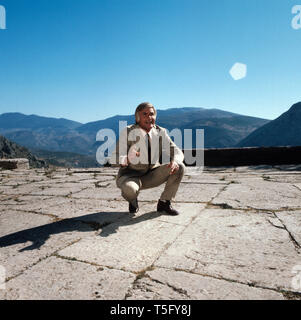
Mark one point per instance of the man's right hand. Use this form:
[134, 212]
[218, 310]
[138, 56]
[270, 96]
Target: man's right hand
[133, 154]
[123, 161]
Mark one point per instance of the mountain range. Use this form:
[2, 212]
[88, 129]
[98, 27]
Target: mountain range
[222, 129]
[67, 142]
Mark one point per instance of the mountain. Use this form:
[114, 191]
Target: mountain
[222, 129]
[91, 128]
[283, 131]
[10, 150]
[13, 120]
[46, 133]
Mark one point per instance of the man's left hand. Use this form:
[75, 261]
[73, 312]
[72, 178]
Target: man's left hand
[174, 167]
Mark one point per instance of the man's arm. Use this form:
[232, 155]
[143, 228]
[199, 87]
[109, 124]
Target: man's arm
[175, 152]
[176, 155]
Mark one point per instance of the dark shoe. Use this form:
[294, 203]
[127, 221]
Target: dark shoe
[134, 208]
[166, 206]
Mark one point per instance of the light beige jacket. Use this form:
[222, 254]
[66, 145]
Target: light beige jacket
[163, 150]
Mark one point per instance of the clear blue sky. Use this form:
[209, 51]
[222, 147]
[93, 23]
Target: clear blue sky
[89, 60]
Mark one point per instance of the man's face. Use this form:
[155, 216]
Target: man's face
[147, 119]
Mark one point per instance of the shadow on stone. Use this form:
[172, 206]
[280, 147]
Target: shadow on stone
[112, 228]
[109, 222]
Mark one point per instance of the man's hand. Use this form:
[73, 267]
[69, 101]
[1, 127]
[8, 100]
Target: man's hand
[126, 160]
[123, 161]
[174, 167]
[133, 154]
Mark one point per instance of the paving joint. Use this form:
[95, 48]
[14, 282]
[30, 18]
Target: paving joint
[250, 284]
[293, 239]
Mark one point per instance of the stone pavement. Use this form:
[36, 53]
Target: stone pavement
[66, 234]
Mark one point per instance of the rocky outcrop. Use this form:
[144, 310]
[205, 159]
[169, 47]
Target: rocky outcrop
[283, 131]
[11, 150]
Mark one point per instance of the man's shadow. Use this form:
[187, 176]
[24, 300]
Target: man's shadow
[108, 222]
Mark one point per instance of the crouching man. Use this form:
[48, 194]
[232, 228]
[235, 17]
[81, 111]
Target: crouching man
[148, 158]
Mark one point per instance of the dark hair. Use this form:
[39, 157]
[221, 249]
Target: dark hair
[142, 106]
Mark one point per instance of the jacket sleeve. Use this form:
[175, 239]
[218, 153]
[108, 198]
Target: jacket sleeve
[176, 153]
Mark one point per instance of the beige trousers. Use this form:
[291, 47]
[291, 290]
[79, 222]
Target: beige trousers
[131, 187]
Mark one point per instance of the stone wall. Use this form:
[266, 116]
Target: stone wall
[10, 164]
[252, 156]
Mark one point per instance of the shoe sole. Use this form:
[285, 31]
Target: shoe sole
[170, 214]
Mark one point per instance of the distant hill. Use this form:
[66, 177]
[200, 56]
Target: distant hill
[66, 159]
[11, 150]
[13, 120]
[222, 129]
[46, 133]
[283, 131]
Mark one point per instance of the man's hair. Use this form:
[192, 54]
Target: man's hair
[142, 106]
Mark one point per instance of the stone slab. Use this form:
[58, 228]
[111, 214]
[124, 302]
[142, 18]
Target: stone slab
[12, 221]
[14, 183]
[198, 192]
[283, 178]
[259, 169]
[11, 164]
[192, 192]
[260, 195]
[204, 177]
[15, 173]
[108, 193]
[237, 246]
[39, 204]
[24, 189]
[25, 238]
[165, 284]
[132, 244]
[57, 191]
[205, 253]
[188, 212]
[59, 279]
[99, 211]
[90, 179]
[219, 169]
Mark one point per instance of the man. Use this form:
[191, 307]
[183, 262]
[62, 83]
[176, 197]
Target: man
[139, 152]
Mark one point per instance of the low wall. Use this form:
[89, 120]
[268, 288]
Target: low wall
[251, 156]
[10, 164]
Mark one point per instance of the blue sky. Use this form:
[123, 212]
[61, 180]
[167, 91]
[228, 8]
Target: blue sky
[89, 60]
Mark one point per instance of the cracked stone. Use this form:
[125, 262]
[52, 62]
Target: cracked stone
[58, 279]
[245, 253]
[208, 251]
[260, 195]
[25, 238]
[132, 244]
[292, 221]
[164, 284]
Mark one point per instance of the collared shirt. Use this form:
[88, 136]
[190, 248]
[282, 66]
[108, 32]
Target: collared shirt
[150, 133]
[123, 158]
[153, 133]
